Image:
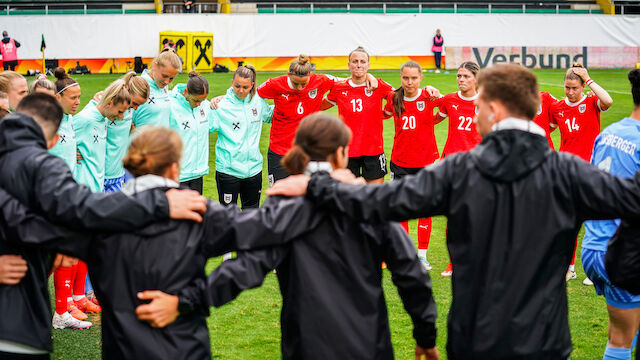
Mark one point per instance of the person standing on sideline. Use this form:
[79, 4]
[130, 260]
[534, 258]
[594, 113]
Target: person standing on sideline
[509, 296]
[9, 51]
[436, 48]
[616, 151]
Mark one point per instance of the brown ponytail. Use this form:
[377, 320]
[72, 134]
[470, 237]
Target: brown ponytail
[398, 95]
[64, 80]
[152, 151]
[317, 138]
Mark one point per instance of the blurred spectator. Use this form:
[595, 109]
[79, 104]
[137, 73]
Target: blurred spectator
[189, 6]
[438, 41]
[9, 51]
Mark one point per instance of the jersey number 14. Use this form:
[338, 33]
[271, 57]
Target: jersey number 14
[571, 125]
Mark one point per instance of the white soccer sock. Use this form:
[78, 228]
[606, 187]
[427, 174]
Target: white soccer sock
[572, 268]
[422, 253]
[78, 297]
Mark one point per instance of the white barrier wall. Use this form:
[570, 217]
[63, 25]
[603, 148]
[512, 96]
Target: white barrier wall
[264, 35]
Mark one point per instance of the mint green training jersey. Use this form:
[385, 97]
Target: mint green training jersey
[155, 111]
[90, 129]
[65, 148]
[117, 145]
[193, 127]
[239, 126]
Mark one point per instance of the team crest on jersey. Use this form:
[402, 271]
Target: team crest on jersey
[420, 105]
[539, 110]
[227, 198]
[201, 112]
[254, 111]
[313, 93]
[582, 108]
[368, 92]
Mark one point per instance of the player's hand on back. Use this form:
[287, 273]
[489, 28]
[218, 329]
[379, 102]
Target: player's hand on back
[186, 204]
[215, 101]
[12, 269]
[347, 177]
[161, 311]
[98, 96]
[429, 354]
[294, 185]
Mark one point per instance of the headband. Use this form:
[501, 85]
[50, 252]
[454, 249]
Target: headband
[68, 86]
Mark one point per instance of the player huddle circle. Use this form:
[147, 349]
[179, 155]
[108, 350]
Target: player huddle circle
[139, 140]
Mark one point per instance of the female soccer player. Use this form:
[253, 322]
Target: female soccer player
[118, 131]
[238, 121]
[157, 109]
[44, 85]
[361, 109]
[330, 279]
[15, 86]
[461, 109]
[414, 144]
[67, 315]
[168, 255]
[543, 117]
[616, 150]
[578, 117]
[189, 119]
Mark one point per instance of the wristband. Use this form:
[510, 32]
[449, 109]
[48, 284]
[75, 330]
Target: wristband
[589, 82]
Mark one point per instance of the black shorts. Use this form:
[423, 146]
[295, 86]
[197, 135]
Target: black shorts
[369, 167]
[193, 184]
[10, 65]
[274, 167]
[230, 187]
[398, 172]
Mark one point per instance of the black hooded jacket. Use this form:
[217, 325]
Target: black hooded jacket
[514, 208]
[165, 256]
[44, 184]
[331, 286]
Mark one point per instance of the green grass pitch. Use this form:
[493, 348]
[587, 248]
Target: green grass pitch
[248, 328]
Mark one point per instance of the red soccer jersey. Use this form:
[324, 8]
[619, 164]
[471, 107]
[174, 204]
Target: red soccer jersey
[543, 117]
[463, 135]
[361, 110]
[291, 106]
[579, 125]
[414, 144]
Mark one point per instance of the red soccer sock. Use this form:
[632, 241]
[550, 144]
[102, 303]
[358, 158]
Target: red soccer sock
[405, 226]
[424, 233]
[79, 279]
[575, 247]
[62, 287]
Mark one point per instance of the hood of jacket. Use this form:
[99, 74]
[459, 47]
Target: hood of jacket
[149, 182]
[511, 151]
[19, 130]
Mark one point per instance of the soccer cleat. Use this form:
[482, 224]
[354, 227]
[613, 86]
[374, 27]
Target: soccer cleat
[448, 271]
[66, 321]
[425, 263]
[87, 306]
[571, 274]
[75, 312]
[587, 282]
[91, 295]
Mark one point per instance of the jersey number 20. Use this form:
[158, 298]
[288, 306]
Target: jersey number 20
[409, 122]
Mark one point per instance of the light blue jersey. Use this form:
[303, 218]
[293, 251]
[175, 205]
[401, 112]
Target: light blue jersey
[617, 151]
[90, 128]
[65, 148]
[156, 110]
[117, 145]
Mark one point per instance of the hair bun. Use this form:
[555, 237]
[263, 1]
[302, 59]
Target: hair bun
[193, 73]
[577, 65]
[60, 73]
[303, 59]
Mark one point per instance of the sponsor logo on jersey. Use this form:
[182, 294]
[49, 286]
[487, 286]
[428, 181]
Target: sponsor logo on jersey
[455, 106]
[582, 108]
[286, 96]
[344, 93]
[561, 113]
[227, 198]
[254, 111]
[313, 93]
[368, 92]
[539, 110]
[420, 105]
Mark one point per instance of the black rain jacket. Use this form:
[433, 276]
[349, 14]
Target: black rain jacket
[167, 256]
[622, 259]
[331, 285]
[514, 208]
[44, 184]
